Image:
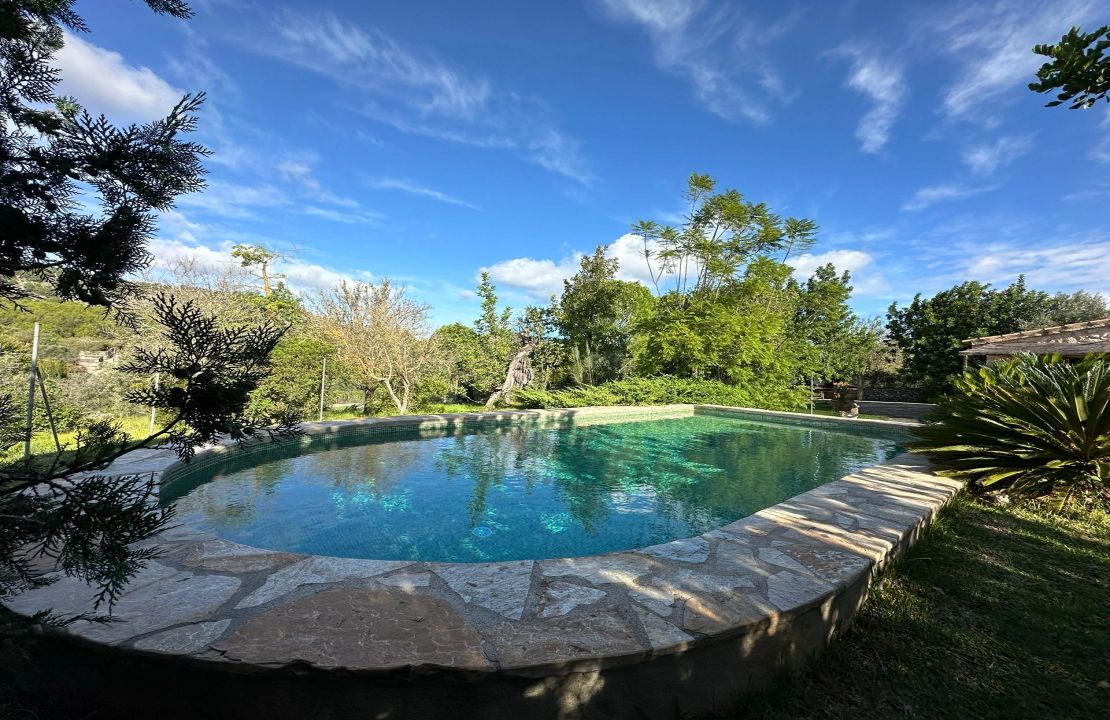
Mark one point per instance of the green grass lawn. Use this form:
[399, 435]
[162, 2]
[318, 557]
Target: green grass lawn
[996, 613]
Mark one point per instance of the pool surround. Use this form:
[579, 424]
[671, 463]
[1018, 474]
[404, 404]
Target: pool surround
[596, 636]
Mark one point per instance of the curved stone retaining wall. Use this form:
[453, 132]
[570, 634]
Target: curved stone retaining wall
[216, 629]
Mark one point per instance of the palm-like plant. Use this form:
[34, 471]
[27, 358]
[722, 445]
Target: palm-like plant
[1033, 426]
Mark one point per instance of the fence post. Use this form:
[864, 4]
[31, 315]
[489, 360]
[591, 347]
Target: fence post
[31, 394]
[323, 377]
[153, 409]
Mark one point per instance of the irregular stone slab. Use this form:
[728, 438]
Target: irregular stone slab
[501, 587]
[787, 590]
[317, 570]
[559, 598]
[777, 557]
[661, 634]
[407, 581]
[709, 614]
[158, 597]
[738, 559]
[622, 569]
[184, 640]
[689, 550]
[598, 632]
[832, 566]
[358, 628]
[222, 555]
[661, 592]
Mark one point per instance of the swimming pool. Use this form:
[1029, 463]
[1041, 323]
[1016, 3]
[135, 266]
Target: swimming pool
[514, 492]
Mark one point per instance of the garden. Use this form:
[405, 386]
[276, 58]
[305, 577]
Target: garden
[641, 466]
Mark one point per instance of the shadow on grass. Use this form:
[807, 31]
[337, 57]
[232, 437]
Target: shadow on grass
[996, 613]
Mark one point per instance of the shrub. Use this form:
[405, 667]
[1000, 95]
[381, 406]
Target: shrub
[1033, 426]
[662, 391]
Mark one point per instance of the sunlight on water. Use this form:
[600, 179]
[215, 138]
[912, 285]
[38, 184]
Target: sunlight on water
[517, 492]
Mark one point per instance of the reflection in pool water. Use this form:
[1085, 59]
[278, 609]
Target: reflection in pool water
[515, 492]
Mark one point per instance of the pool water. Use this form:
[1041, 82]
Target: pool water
[516, 492]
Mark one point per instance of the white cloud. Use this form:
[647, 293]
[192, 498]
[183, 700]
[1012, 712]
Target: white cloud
[103, 82]
[993, 43]
[866, 278]
[883, 83]
[412, 188]
[985, 158]
[721, 51]
[422, 95]
[300, 276]
[928, 196]
[539, 278]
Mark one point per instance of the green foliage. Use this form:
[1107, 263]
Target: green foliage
[293, 386]
[1063, 308]
[664, 391]
[89, 528]
[472, 368]
[1034, 426]
[930, 332]
[549, 355]
[597, 314]
[839, 345]
[1080, 68]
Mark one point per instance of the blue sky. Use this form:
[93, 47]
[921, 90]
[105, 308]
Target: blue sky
[425, 141]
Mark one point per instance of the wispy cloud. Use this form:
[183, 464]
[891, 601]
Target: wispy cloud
[985, 158]
[934, 194]
[106, 84]
[233, 200]
[1084, 264]
[884, 85]
[993, 43]
[420, 94]
[413, 188]
[721, 51]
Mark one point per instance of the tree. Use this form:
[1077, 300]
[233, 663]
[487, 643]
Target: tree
[51, 151]
[382, 336]
[722, 233]
[840, 344]
[727, 301]
[596, 314]
[491, 323]
[930, 331]
[1080, 68]
[257, 256]
[472, 369]
[1063, 308]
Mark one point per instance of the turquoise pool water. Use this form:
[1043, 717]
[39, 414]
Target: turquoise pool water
[515, 492]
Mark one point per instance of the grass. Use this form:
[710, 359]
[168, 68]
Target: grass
[42, 443]
[138, 427]
[996, 613]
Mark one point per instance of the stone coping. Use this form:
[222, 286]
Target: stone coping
[210, 601]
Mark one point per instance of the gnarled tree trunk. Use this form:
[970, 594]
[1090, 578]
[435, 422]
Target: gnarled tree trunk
[520, 373]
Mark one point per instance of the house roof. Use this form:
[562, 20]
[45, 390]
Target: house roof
[1080, 338]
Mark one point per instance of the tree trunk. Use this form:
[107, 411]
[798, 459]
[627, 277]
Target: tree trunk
[519, 374]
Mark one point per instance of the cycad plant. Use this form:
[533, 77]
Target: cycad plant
[1033, 426]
